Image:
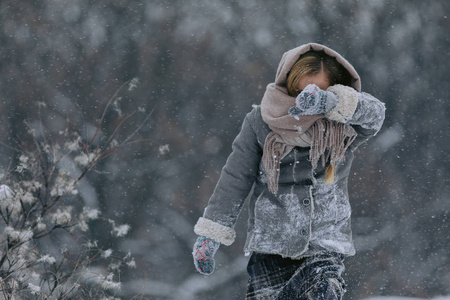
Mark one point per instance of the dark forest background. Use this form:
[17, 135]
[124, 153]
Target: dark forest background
[201, 65]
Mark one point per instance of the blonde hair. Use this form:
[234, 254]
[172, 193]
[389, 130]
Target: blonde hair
[314, 62]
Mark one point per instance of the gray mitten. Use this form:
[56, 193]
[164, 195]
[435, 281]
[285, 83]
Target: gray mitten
[313, 101]
[204, 250]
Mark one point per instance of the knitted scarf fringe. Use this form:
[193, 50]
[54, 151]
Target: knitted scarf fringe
[271, 158]
[330, 140]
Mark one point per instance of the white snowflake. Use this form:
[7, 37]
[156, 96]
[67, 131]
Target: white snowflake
[5, 192]
[34, 289]
[85, 158]
[17, 235]
[121, 230]
[47, 259]
[109, 284]
[164, 149]
[62, 216]
[107, 253]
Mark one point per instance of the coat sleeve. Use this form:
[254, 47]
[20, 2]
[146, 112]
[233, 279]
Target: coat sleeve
[369, 113]
[234, 185]
[361, 110]
[368, 118]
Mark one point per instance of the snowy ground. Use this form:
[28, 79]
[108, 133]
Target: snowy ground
[406, 298]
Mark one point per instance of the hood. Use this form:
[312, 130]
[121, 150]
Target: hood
[290, 58]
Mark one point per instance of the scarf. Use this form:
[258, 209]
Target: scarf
[327, 139]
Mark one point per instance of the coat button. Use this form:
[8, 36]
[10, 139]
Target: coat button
[306, 202]
[304, 232]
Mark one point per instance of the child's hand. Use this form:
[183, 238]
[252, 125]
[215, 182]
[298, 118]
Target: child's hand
[313, 101]
[204, 250]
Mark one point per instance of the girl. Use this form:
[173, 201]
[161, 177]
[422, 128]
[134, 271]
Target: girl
[293, 155]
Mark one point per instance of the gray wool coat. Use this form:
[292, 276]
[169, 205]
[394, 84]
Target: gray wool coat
[306, 216]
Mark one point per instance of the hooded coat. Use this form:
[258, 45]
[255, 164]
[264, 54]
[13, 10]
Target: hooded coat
[306, 216]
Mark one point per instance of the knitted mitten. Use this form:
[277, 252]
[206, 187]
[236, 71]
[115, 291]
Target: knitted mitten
[204, 250]
[313, 101]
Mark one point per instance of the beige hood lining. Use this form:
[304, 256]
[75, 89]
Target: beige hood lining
[290, 58]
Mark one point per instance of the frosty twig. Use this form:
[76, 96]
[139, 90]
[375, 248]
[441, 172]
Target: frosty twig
[39, 206]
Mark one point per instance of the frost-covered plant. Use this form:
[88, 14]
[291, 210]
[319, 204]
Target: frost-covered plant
[45, 249]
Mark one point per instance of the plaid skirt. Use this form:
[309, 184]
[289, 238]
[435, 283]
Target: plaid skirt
[316, 277]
